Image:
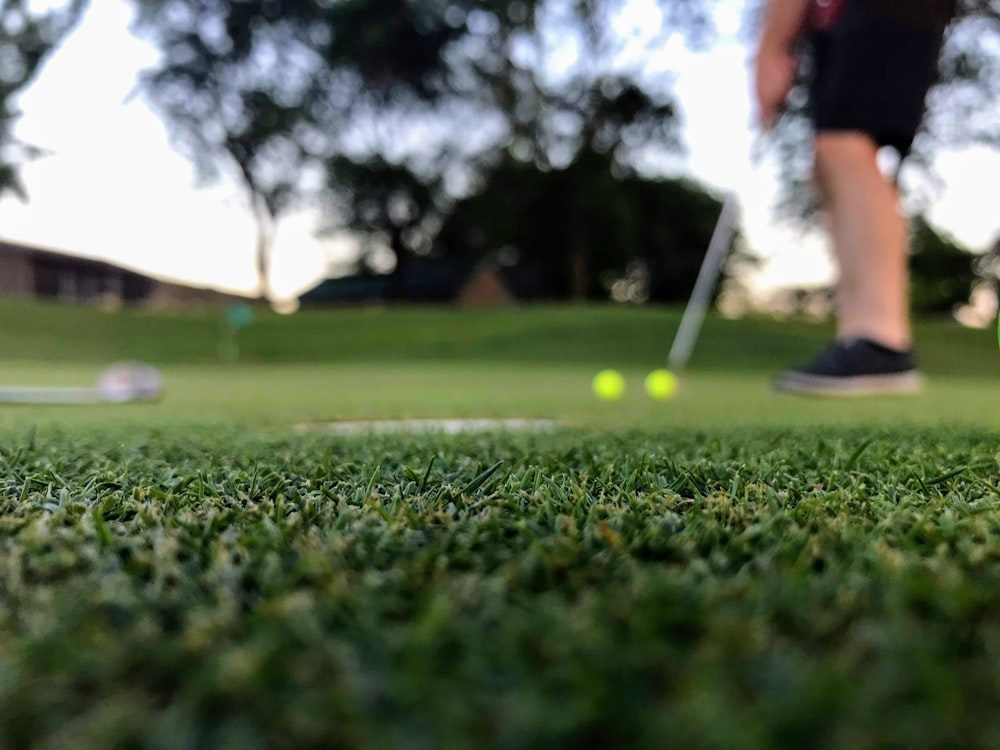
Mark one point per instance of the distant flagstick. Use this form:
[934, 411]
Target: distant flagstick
[718, 249]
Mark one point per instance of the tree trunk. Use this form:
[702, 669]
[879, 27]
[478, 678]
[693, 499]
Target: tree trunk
[262, 252]
[578, 266]
[397, 281]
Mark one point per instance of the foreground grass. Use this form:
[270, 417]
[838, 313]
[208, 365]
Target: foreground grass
[723, 588]
[725, 570]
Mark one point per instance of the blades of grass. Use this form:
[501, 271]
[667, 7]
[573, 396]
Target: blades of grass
[946, 476]
[182, 484]
[427, 475]
[371, 482]
[528, 474]
[252, 490]
[858, 452]
[329, 495]
[23, 450]
[985, 484]
[556, 490]
[100, 527]
[480, 480]
[383, 513]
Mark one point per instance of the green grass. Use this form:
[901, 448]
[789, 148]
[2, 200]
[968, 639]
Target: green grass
[276, 397]
[370, 364]
[725, 570]
[705, 589]
[595, 337]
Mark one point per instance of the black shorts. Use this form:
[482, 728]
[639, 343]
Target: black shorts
[872, 74]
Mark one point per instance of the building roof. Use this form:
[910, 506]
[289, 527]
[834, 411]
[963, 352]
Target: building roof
[67, 260]
[425, 280]
[52, 256]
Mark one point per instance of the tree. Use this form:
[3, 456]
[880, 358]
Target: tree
[274, 87]
[496, 84]
[399, 108]
[592, 119]
[987, 266]
[231, 85]
[546, 217]
[650, 233]
[28, 38]
[942, 273]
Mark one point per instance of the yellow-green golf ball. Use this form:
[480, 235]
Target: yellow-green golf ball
[609, 385]
[661, 384]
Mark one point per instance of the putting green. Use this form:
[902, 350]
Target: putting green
[281, 396]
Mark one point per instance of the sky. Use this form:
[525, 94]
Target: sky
[113, 187]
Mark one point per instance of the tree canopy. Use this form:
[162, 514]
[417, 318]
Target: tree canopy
[389, 112]
[401, 120]
[942, 273]
[28, 37]
[640, 239]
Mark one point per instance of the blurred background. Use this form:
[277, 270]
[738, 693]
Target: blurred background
[234, 160]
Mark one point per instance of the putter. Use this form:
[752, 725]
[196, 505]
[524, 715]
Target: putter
[718, 249]
[121, 383]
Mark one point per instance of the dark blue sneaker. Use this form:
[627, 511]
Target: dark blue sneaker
[854, 367]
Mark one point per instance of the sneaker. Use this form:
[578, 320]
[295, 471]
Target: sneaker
[854, 367]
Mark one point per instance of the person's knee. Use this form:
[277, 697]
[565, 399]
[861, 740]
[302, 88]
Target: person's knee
[841, 156]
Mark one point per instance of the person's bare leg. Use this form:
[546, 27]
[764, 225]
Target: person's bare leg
[870, 240]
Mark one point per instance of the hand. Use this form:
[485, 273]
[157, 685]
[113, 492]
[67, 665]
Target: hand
[774, 73]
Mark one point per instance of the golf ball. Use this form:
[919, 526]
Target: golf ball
[609, 385]
[661, 385]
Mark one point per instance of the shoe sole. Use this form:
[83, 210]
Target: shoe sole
[800, 384]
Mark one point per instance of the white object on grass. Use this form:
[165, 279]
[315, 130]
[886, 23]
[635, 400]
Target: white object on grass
[423, 426]
[121, 383]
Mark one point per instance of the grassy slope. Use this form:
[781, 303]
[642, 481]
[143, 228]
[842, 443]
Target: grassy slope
[596, 336]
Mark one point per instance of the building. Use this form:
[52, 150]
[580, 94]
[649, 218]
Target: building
[434, 281]
[34, 273]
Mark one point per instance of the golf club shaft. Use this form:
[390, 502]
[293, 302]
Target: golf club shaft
[701, 297]
[694, 313]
